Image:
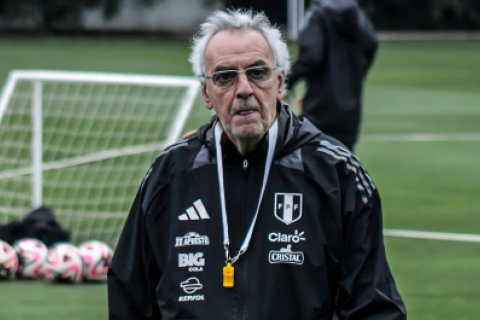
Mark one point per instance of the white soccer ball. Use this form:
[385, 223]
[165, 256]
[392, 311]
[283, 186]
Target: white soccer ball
[32, 255]
[8, 261]
[97, 257]
[64, 263]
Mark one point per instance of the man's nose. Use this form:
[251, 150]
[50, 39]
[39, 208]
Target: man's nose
[244, 88]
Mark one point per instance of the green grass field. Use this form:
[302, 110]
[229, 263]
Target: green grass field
[430, 186]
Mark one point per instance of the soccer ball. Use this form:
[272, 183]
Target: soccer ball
[96, 257]
[64, 263]
[32, 254]
[8, 261]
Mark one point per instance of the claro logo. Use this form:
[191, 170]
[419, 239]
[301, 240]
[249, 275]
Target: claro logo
[286, 238]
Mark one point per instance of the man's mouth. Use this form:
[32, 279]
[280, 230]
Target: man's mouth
[245, 112]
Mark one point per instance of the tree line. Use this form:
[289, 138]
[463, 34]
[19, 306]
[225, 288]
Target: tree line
[423, 14]
[45, 15]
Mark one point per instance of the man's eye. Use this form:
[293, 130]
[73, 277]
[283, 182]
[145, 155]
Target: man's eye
[225, 77]
[257, 73]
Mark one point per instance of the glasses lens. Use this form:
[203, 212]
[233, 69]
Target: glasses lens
[259, 74]
[224, 79]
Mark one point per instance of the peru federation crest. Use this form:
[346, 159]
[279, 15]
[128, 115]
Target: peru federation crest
[288, 207]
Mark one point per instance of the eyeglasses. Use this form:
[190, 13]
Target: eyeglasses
[228, 78]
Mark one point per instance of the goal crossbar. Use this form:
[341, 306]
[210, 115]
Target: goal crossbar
[99, 77]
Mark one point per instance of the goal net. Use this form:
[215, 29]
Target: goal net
[81, 143]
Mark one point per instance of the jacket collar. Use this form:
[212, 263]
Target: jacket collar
[293, 132]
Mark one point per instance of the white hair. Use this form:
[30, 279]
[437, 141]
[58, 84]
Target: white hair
[238, 20]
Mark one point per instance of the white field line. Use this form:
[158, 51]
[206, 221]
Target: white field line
[420, 137]
[432, 235]
[410, 234]
[429, 36]
[93, 157]
[60, 212]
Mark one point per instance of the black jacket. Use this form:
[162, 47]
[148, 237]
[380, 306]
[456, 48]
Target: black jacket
[324, 255]
[39, 224]
[336, 50]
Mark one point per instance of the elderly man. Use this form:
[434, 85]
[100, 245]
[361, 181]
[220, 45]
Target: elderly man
[258, 215]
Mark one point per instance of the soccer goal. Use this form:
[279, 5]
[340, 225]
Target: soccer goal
[81, 143]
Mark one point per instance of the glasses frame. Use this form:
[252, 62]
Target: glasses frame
[238, 73]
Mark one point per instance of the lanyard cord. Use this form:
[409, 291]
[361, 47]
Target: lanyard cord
[272, 140]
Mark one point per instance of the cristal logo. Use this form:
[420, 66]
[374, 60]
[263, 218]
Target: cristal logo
[194, 261]
[286, 238]
[286, 255]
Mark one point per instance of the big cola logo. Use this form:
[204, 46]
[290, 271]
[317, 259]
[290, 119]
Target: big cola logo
[195, 261]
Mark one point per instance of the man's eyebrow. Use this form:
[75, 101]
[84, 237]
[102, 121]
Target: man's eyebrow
[257, 63]
[223, 68]
[253, 64]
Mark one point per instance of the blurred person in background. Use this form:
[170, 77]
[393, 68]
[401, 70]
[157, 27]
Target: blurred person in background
[336, 49]
[257, 215]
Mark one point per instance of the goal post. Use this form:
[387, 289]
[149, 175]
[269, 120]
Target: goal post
[81, 142]
[295, 18]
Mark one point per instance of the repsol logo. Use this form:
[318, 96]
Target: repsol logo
[197, 297]
[286, 238]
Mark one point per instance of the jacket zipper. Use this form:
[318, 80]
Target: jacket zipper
[245, 173]
[245, 168]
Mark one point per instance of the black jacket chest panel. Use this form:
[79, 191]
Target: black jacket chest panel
[242, 191]
[286, 255]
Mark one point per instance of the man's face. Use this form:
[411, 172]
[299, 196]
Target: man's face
[246, 110]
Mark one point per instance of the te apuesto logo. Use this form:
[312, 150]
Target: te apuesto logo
[192, 239]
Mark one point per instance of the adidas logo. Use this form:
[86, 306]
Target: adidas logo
[197, 212]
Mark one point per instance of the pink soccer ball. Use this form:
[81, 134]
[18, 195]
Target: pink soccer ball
[32, 255]
[64, 263]
[97, 257]
[8, 261]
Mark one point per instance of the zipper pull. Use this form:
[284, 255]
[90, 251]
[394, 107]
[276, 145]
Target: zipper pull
[245, 166]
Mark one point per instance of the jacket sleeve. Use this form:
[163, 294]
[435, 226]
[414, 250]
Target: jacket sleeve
[367, 289]
[311, 44]
[134, 273]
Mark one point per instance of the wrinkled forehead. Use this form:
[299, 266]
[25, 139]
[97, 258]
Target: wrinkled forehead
[237, 49]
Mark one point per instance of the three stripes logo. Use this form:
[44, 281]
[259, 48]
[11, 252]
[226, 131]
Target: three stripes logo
[364, 182]
[196, 212]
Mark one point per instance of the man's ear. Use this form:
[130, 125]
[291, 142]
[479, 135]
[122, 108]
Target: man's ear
[206, 97]
[281, 85]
